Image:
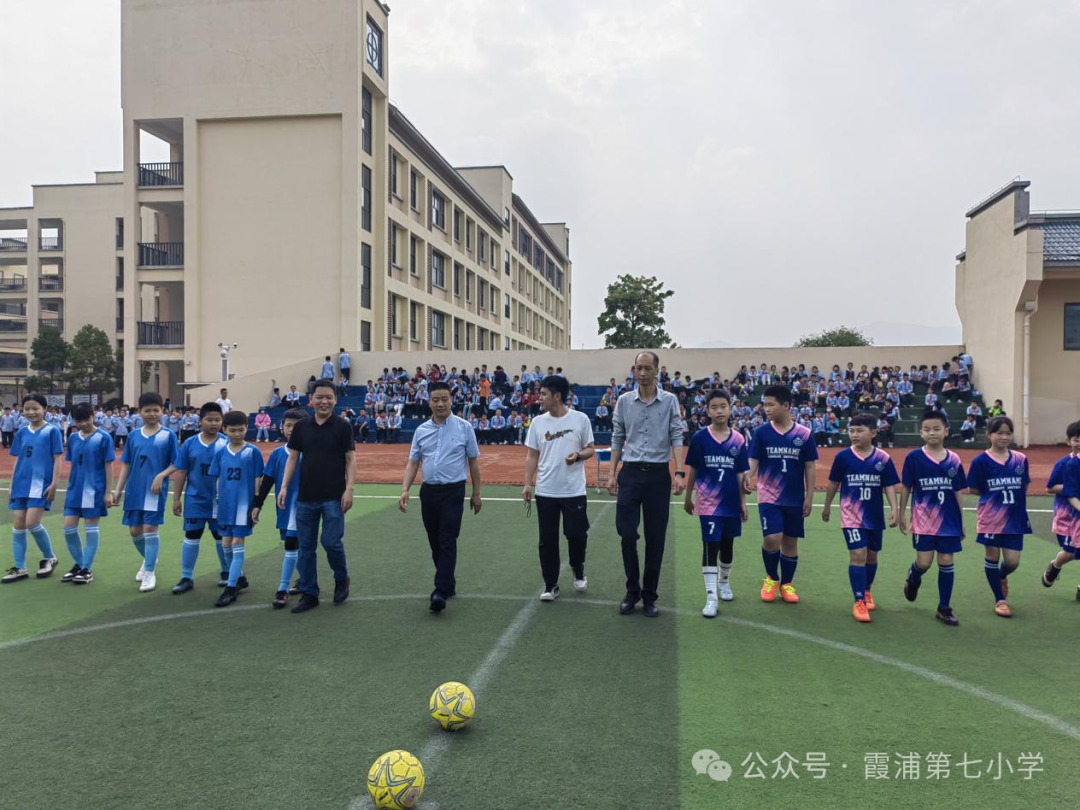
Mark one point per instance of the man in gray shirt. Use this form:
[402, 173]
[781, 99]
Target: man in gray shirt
[646, 430]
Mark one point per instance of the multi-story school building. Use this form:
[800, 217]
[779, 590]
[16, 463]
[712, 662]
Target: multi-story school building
[283, 203]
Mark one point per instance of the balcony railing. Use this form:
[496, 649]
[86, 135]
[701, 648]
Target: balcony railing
[13, 327]
[50, 243]
[161, 254]
[12, 364]
[161, 174]
[12, 284]
[161, 333]
[51, 323]
[13, 310]
[17, 243]
[51, 284]
[119, 324]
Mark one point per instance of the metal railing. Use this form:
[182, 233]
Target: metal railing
[161, 333]
[12, 284]
[51, 323]
[9, 363]
[16, 327]
[51, 283]
[13, 243]
[161, 174]
[161, 254]
[50, 243]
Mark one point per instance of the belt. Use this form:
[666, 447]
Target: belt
[646, 466]
[443, 486]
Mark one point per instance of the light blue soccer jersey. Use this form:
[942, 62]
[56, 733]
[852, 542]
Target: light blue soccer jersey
[238, 476]
[88, 456]
[36, 453]
[275, 468]
[148, 456]
[200, 495]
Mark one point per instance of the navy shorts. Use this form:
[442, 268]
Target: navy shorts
[87, 513]
[942, 545]
[864, 538]
[198, 524]
[715, 528]
[1063, 541]
[1012, 542]
[22, 504]
[785, 520]
[140, 517]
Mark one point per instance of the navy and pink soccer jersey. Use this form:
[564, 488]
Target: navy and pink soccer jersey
[781, 461]
[1002, 493]
[935, 510]
[1064, 514]
[862, 487]
[1071, 489]
[717, 466]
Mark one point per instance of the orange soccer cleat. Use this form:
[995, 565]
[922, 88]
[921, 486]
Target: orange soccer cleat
[861, 611]
[787, 593]
[768, 590]
[1002, 609]
[870, 601]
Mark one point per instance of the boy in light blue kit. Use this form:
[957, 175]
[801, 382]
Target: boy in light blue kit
[90, 451]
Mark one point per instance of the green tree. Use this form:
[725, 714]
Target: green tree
[92, 366]
[49, 355]
[840, 336]
[633, 315]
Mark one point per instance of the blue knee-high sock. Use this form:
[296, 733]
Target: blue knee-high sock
[871, 572]
[857, 576]
[74, 544]
[236, 567]
[787, 568]
[140, 545]
[945, 577]
[153, 547]
[772, 562]
[915, 573]
[18, 542]
[288, 568]
[228, 552]
[41, 537]
[189, 554]
[221, 556]
[93, 540]
[993, 576]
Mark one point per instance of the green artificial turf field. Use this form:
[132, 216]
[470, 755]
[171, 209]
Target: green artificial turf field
[116, 699]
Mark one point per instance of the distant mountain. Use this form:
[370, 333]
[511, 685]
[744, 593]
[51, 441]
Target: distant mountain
[888, 333]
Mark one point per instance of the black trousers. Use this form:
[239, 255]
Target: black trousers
[575, 526]
[644, 493]
[9, 437]
[441, 507]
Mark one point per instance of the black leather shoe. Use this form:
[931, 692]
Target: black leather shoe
[438, 602]
[341, 591]
[650, 609]
[626, 606]
[306, 603]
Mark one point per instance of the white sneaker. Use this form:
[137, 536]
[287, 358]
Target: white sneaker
[581, 585]
[142, 573]
[149, 581]
[725, 592]
[709, 611]
[550, 595]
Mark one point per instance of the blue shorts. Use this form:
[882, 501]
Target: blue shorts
[785, 520]
[87, 513]
[717, 528]
[1063, 541]
[864, 538]
[1012, 542]
[942, 545]
[22, 504]
[198, 524]
[139, 517]
[237, 531]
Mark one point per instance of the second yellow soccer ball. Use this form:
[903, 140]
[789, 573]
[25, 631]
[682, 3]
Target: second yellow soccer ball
[396, 781]
[452, 705]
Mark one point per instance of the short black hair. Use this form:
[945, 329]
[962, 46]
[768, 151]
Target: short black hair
[149, 399]
[294, 413]
[234, 418]
[557, 385]
[82, 411]
[438, 386]
[717, 393]
[1073, 430]
[932, 414]
[209, 407]
[324, 383]
[781, 393]
[38, 398]
[863, 419]
[997, 423]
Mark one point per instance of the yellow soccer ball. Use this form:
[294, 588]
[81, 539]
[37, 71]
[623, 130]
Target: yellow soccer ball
[396, 781]
[452, 705]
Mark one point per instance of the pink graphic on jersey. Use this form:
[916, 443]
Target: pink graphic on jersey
[770, 487]
[1064, 519]
[707, 502]
[992, 517]
[926, 516]
[851, 511]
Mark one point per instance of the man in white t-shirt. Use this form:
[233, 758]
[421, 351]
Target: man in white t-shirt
[224, 401]
[559, 441]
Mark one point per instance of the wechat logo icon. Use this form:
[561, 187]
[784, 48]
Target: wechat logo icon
[706, 761]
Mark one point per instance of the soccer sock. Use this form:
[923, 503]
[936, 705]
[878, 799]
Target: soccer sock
[189, 554]
[236, 567]
[288, 568]
[725, 572]
[41, 537]
[18, 542]
[221, 556]
[74, 544]
[153, 547]
[772, 563]
[787, 568]
[227, 551]
[945, 577]
[915, 573]
[857, 575]
[1007, 569]
[93, 539]
[709, 572]
[871, 572]
[993, 576]
[140, 545]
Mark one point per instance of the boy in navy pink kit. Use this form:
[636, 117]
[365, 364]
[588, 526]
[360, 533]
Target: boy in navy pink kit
[1065, 517]
[1000, 478]
[932, 479]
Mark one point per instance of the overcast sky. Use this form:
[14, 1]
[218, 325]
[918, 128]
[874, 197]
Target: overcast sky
[784, 167]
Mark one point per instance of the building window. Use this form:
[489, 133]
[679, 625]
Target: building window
[457, 224]
[538, 258]
[525, 244]
[468, 234]
[393, 245]
[438, 329]
[506, 304]
[365, 198]
[506, 344]
[457, 280]
[481, 245]
[457, 333]
[494, 299]
[412, 320]
[506, 217]
[374, 45]
[412, 255]
[494, 344]
[365, 120]
[481, 295]
[558, 280]
[393, 315]
[438, 209]
[393, 173]
[506, 262]
[438, 270]
[365, 276]
[412, 190]
[468, 285]
[365, 336]
[1072, 327]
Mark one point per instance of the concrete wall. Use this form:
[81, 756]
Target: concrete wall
[1055, 373]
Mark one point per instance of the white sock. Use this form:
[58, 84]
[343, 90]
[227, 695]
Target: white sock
[725, 571]
[710, 580]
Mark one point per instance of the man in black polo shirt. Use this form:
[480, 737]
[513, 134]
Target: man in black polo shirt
[324, 448]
